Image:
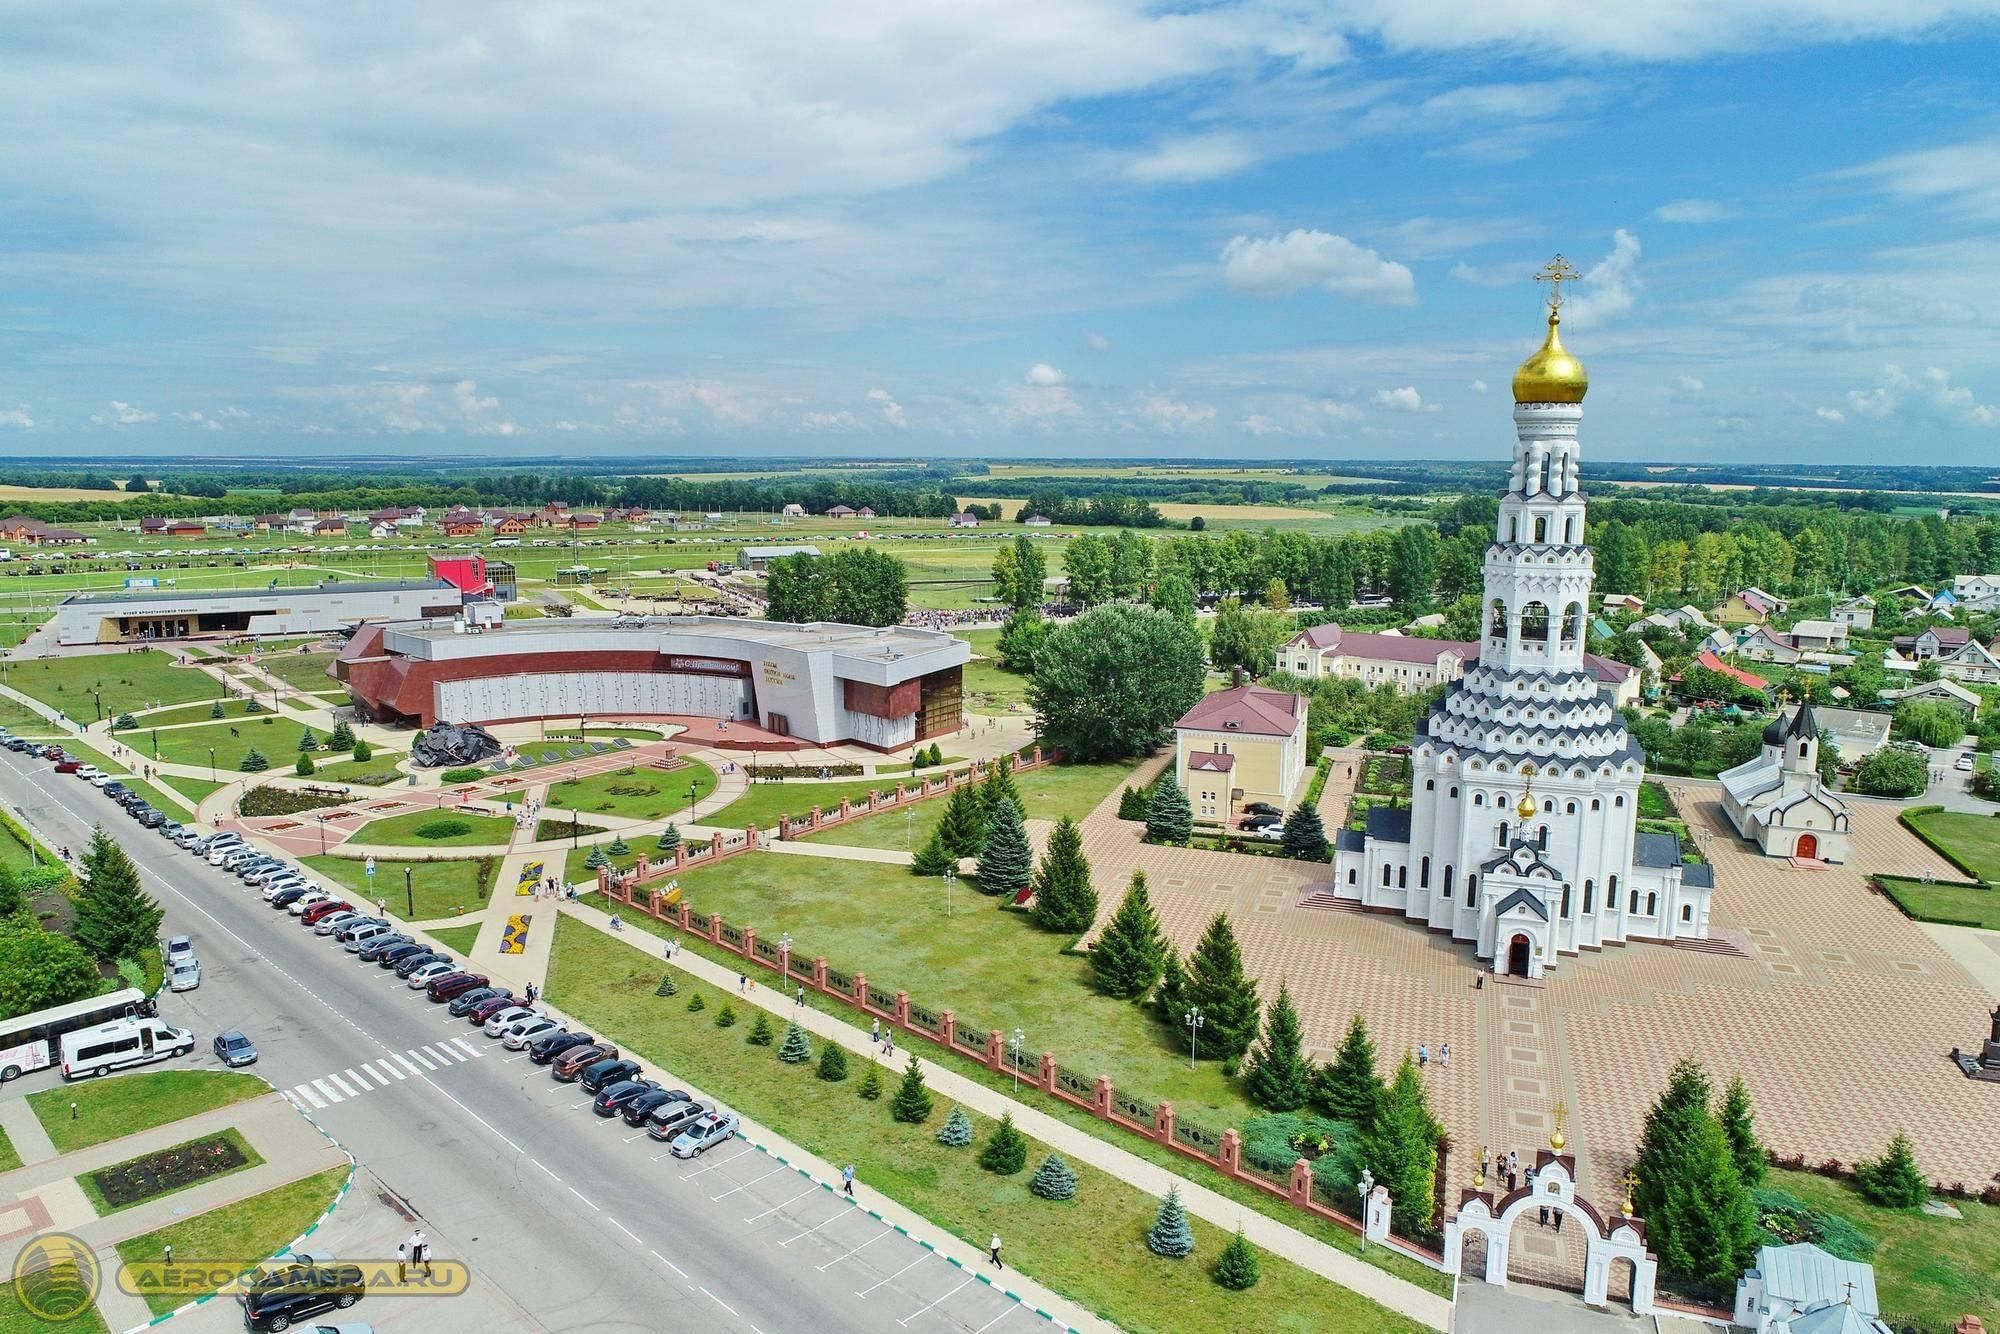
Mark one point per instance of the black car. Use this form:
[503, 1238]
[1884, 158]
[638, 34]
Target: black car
[461, 1006]
[607, 1072]
[284, 1297]
[406, 966]
[669, 1119]
[373, 951]
[636, 1110]
[611, 1099]
[551, 1045]
[285, 898]
[149, 817]
[1261, 821]
[1264, 808]
[390, 958]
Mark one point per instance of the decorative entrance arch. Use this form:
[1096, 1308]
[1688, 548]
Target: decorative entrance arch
[1606, 1241]
[1808, 846]
[1519, 951]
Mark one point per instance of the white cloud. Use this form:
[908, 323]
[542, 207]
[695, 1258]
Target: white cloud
[1044, 375]
[1694, 211]
[892, 411]
[1830, 414]
[1689, 384]
[1339, 411]
[1609, 288]
[1479, 386]
[1929, 394]
[565, 426]
[1406, 399]
[1096, 342]
[828, 421]
[1203, 157]
[206, 423]
[124, 414]
[1259, 425]
[17, 417]
[1491, 275]
[1303, 258]
[1964, 177]
[1169, 414]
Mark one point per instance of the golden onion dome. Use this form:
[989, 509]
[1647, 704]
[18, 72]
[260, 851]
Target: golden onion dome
[1526, 810]
[1552, 375]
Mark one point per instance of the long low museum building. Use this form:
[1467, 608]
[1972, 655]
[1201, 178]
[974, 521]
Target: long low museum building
[137, 615]
[822, 683]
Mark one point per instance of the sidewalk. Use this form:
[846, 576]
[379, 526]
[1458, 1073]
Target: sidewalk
[1316, 1256]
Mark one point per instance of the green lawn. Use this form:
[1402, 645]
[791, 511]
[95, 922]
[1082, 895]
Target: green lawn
[989, 687]
[1973, 839]
[17, 1319]
[88, 1181]
[307, 671]
[194, 789]
[1050, 793]
[21, 720]
[603, 734]
[574, 870]
[276, 737]
[458, 939]
[636, 793]
[127, 681]
[1928, 1271]
[401, 830]
[609, 984]
[763, 803]
[127, 1104]
[995, 969]
[247, 1232]
[1956, 905]
[440, 888]
[9, 1159]
[187, 713]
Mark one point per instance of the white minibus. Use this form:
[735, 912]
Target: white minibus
[122, 1042]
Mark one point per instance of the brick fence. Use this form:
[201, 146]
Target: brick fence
[818, 818]
[1152, 1118]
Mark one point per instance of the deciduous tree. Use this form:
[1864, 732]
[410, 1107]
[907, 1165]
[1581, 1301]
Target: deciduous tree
[1112, 682]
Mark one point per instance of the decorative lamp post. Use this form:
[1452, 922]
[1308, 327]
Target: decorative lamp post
[1020, 1036]
[320, 819]
[98, 695]
[409, 894]
[1196, 1021]
[691, 792]
[211, 764]
[156, 745]
[1367, 1187]
[950, 878]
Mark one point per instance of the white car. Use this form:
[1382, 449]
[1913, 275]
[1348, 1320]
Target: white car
[1965, 763]
[98, 779]
[307, 900]
[500, 1022]
[180, 950]
[89, 771]
[185, 976]
[421, 978]
[271, 891]
[523, 1031]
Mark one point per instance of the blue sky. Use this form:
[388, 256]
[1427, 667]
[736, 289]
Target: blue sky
[1049, 227]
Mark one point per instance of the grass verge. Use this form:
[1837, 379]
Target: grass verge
[457, 939]
[121, 1105]
[1946, 904]
[246, 1232]
[9, 1159]
[437, 889]
[402, 831]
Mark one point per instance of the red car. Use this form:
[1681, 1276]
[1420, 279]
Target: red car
[68, 766]
[314, 914]
[455, 984]
[487, 1009]
[52, 752]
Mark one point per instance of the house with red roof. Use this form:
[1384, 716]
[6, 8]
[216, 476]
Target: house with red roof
[1241, 745]
[1708, 659]
[1412, 663]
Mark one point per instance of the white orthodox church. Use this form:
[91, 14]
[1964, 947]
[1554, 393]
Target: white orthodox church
[1777, 800]
[1520, 835]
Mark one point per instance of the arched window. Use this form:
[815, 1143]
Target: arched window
[1430, 785]
[1541, 529]
[1687, 912]
[1424, 874]
[1497, 623]
[1514, 529]
[1572, 627]
[1478, 798]
[1548, 470]
[1447, 882]
[1569, 808]
[1402, 877]
[1652, 904]
[1503, 834]
[1471, 891]
[1350, 875]
[1589, 892]
[1385, 875]
[1634, 907]
[1595, 804]
[1549, 806]
[1565, 904]
[1618, 800]
[1611, 887]
[1543, 840]
[1453, 794]
[1569, 530]
[1802, 750]
[1535, 623]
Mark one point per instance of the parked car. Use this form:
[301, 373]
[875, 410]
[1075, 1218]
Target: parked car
[103, 781]
[389, 958]
[171, 831]
[572, 1063]
[87, 771]
[411, 964]
[548, 1046]
[1252, 823]
[1965, 763]
[371, 941]
[310, 899]
[1264, 808]
[421, 977]
[68, 766]
[335, 922]
[1272, 832]
[149, 817]
[604, 1072]
[233, 1049]
[503, 999]
[285, 898]
[636, 1110]
[179, 948]
[184, 836]
[496, 1023]
[666, 1121]
[455, 983]
[327, 907]
[703, 1134]
[463, 1003]
[281, 1299]
[184, 976]
[611, 1099]
[520, 1033]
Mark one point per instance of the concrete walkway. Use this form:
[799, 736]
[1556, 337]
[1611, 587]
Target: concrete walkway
[1309, 1253]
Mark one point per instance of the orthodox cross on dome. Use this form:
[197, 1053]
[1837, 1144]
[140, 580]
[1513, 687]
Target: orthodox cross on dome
[1557, 1140]
[1555, 273]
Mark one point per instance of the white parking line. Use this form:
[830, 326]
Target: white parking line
[847, 1212]
[751, 1182]
[319, 1104]
[585, 1198]
[921, 1309]
[886, 1230]
[538, 1163]
[892, 1277]
[1008, 1310]
[719, 1302]
[421, 1060]
[774, 1208]
[326, 1092]
[626, 1230]
[341, 1084]
[511, 1060]
[689, 1176]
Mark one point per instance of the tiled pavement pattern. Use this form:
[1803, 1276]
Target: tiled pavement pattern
[1840, 1024]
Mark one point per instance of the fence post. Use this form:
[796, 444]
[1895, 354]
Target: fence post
[749, 946]
[643, 865]
[819, 974]
[1163, 1123]
[752, 836]
[861, 990]
[604, 880]
[843, 808]
[812, 818]
[680, 855]
[947, 1025]
[785, 958]
[996, 1049]
[1300, 1190]
[1048, 1075]
[1102, 1098]
[714, 844]
[1229, 1151]
[686, 913]
[903, 1009]
[715, 928]
[653, 897]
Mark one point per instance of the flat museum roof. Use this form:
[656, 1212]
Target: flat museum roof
[889, 644]
[112, 596]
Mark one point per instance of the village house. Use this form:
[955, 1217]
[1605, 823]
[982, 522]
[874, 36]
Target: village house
[1750, 606]
[1855, 613]
[1241, 745]
[1617, 602]
[965, 519]
[840, 512]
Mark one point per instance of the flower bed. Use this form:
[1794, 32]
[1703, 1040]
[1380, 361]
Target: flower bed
[288, 800]
[151, 1175]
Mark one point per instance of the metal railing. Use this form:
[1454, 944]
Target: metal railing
[801, 964]
[839, 981]
[1278, 1173]
[1197, 1137]
[970, 1038]
[1075, 1084]
[732, 935]
[926, 1019]
[1132, 1108]
[764, 949]
[882, 1000]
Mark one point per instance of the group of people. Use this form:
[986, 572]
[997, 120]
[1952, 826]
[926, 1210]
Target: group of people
[1443, 1055]
[548, 887]
[415, 1251]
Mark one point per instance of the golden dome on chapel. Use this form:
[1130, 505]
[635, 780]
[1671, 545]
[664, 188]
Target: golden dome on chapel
[1552, 374]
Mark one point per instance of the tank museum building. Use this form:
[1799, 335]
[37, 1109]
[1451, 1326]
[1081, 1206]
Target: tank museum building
[139, 615]
[821, 683]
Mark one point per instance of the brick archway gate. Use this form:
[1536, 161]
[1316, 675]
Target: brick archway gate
[1605, 1240]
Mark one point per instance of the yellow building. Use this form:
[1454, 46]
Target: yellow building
[1241, 745]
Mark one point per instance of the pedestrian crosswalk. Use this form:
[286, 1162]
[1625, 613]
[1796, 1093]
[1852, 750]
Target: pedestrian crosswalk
[367, 1076]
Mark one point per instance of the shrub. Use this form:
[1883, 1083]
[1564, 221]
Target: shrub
[446, 828]
[252, 706]
[304, 766]
[760, 1031]
[450, 776]
[124, 722]
[216, 710]
[795, 1049]
[871, 1083]
[726, 1016]
[832, 1063]
[957, 1132]
[1893, 1180]
[696, 1004]
[253, 762]
[912, 1103]
[362, 750]
[1785, 1220]
[1236, 1267]
[1132, 803]
[1007, 1152]
[932, 859]
[1054, 1179]
[1170, 1235]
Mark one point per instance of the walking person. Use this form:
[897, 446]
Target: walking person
[802, 998]
[847, 1181]
[1559, 1220]
[1444, 1056]
[1423, 1056]
[874, 1031]
[402, 1261]
[742, 984]
[993, 1251]
[1543, 1219]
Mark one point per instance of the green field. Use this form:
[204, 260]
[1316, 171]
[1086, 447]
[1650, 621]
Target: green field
[635, 793]
[194, 789]
[764, 802]
[609, 985]
[246, 1232]
[307, 671]
[125, 682]
[989, 687]
[1973, 839]
[186, 713]
[440, 888]
[123, 1105]
[1955, 905]
[401, 830]
[276, 737]
[1049, 794]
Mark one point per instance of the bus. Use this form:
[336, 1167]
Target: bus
[28, 1042]
[122, 1042]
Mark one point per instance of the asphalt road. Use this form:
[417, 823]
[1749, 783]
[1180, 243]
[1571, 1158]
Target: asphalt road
[567, 1220]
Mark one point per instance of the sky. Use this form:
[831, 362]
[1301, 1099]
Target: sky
[1047, 228]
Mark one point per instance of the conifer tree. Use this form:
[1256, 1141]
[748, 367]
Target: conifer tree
[1007, 1152]
[697, 1003]
[1699, 1220]
[999, 786]
[1236, 1268]
[832, 1063]
[253, 762]
[1279, 1077]
[1054, 1179]
[957, 1132]
[1169, 817]
[1400, 1148]
[726, 1016]
[618, 847]
[1225, 994]
[1006, 862]
[1305, 835]
[1739, 1127]
[795, 1049]
[1064, 898]
[871, 1083]
[760, 1030]
[670, 838]
[1130, 953]
[1894, 1180]
[1348, 1089]
[1170, 1235]
[962, 828]
[216, 710]
[362, 750]
[304, 766]
[933, 859]
[307, 741]
[342, 737]
[115, 918]
[912, 1102]
[1172, 998]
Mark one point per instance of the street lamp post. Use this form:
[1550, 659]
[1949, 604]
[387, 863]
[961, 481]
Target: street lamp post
[409, 894]
[1196, 1021]
[98, 695]
[156, 745]
[321, 820]
[1015, 1042]
[211, 764]
[691, 792]
[1366, 1186]
[950, 878]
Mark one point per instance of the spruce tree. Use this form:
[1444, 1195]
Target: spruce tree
[1893, 1181]
[1348, 1089]
[1130, 952]
[871, 1083]
[342, 737]
[1171, 1000]
[832, 1063]
[216, 710]
[1006, 863]
[618, 847]
[697, 1003]
[1170, 1234]
[1054, 1179]
[933, 859]
[304, 766]
[1236, 1268]
[1305, 835]
[962, 828]
[1169, 817]
[1132, 803]
[124, 722]
[998, 786]
[1064, 898]
[670, 838]
[1740, 1129]
[1007, 1152]
[957, 1132]
[362, 750]
[912, 1102]
[1400, 1148]
[253, 762]
[1699, 1221]
[726, 1016]
[760, 1034]
[1279, 1077]
[115, 918]
[795, 1051]
[307, 741]
[1225, 994]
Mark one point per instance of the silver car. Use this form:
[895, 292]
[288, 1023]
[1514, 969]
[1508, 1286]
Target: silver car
[186, 975]
[523, 1031]
[500, 1022]
[421, 978]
